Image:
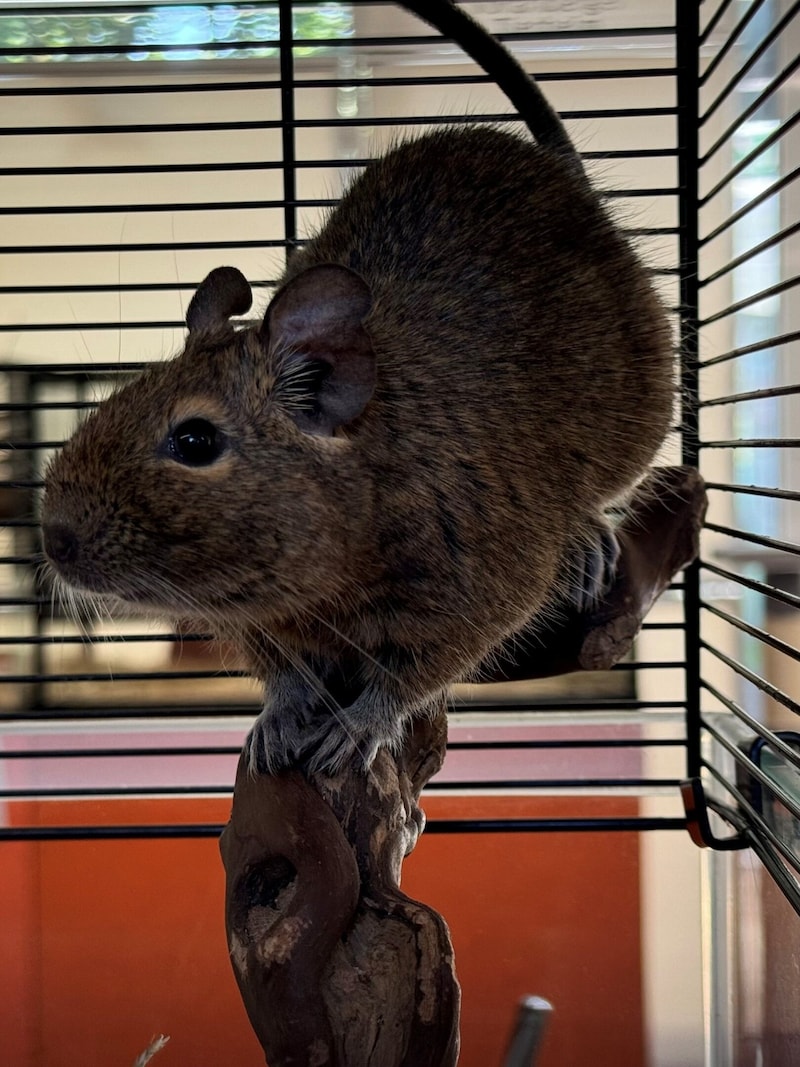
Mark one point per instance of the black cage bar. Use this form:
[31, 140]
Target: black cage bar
[132, 165]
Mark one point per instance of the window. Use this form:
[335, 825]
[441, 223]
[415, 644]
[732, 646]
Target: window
[173, 32]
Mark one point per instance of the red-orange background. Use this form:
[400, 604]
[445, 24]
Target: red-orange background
[105, 943]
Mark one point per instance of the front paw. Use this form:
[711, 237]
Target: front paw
[323, 739]
[340, 742]
[323, 742]
[274, 742]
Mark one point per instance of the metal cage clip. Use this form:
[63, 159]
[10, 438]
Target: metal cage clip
[696, 805]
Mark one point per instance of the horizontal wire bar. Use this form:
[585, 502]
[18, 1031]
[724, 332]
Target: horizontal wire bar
[110, 833]
[621, 704]
[111, 287]
[56, 719]
[241, 125]
[764, 195]
[128, 49]
[86, 327]
[766, 687]
[350, 42]
[755, 539]
[170, 88]
[114, 792]
[551, 785]
[127, 753]
[749, 350]
[142, 246]
[213, 711]
[100, 639]
[343, 82]
[776, 743]
[753, 631]
[191, 246]
[754, 770]
[42, 210]
[184, 246]
[745, 161]
[741, 72]
[756, 298]
[302, 164]
[30, 446]
[751, 253]
[105, 639]
[143, 712]
[227, 126]
[124, 639]
[754, 394]
[636, 824]
[177, 206]
[754, 490]
[753, 584]
[258, 205]
[555, 784]
[57, 371]
[36, 210]
[650, 665]
[156, 168]
[50, 250]
[119, 676]
[233, 750]
[754, 442]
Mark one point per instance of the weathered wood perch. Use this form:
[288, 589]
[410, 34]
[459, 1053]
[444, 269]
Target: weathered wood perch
[336, 966]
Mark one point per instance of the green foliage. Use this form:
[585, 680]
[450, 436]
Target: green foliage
[170, 32]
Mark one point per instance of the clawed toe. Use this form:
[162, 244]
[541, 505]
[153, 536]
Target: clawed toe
[593, 569]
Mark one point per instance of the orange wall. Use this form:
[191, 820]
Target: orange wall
[105, 943]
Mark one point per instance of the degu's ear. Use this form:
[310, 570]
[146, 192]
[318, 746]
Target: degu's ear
[326, 363]
[224, 292]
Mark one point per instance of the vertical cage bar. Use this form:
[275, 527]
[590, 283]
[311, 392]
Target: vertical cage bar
[286, 38]
[687, 29]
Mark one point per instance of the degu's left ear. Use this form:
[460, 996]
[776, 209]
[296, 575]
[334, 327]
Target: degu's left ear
[314, 326]
[224, 292]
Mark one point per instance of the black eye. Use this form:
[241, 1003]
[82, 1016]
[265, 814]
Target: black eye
[196, 442]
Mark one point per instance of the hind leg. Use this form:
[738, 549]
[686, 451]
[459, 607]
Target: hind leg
[591, 567]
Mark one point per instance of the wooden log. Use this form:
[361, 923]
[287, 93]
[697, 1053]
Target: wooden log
[336, 966]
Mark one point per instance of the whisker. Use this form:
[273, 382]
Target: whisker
[353, 644]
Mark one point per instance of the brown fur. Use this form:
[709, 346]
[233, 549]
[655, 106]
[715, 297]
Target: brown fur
[523, 379]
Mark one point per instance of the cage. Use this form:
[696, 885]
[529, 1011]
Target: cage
[146, 143]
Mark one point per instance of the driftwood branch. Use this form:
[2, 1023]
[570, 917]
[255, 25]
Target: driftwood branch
[336, 966]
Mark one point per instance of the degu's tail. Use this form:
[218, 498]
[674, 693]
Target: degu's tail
[520, 88]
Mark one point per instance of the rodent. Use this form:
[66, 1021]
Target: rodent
[406, 462]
